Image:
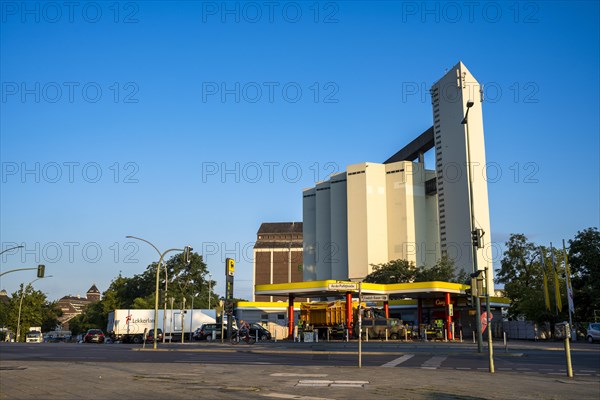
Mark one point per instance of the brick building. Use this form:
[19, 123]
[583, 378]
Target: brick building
[71, 306]
[278, 255]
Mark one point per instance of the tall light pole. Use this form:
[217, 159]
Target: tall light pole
[465, 121]
[187, 250]
[476, 235]
[21, 305]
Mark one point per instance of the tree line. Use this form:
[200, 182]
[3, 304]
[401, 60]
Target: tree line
[522, 270]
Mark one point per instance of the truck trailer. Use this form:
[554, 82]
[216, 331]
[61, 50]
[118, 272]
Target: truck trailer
[129, 326]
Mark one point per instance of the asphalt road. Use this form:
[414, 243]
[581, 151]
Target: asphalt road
[526, 358]
[297, 371]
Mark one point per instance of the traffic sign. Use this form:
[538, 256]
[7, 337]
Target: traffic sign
[375, 297]
[342, 286]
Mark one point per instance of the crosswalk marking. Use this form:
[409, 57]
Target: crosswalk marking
[434, 362]
[398, 361]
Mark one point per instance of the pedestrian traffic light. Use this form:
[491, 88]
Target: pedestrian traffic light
[41, 270]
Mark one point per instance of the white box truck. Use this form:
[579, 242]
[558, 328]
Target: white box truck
[128, 326]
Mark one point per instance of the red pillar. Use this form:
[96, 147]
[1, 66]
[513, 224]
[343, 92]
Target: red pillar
[386, 309]
[291, 316]
[419, 315]
[448, 317]
[349, 312]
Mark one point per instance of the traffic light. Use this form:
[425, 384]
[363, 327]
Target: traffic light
[187, 254]
[469, 293]
[229, 307]
[230, 266]
[41, 270]
[477, 238]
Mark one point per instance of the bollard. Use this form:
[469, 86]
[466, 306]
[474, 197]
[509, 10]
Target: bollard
[460, 333]
[406, 335]
[347, 335]
[366, 334]
[473, 336]
[445, 335]
[505, 345]
[256, 336]
[214, 335]
[317, 335]
[386, 334]
[328, 329]
[275, 336]
[568, 351]
[452, 331]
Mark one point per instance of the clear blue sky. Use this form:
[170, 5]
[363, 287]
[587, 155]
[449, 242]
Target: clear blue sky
[145, 95]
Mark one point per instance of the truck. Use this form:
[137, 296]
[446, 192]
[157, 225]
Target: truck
[129, 325]
[330, 317]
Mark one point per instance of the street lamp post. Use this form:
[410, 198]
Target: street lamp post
[160, 260]
[476, 239]
[465, 122]
[9, 249]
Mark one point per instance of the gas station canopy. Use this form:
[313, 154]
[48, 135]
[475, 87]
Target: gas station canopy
[332, 288]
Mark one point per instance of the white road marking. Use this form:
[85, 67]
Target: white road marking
[299, 375]
[398, 361]
[465, 368]
[588, 370]
[292, 396]
[434, 362]
[327, 383]
[354, 385]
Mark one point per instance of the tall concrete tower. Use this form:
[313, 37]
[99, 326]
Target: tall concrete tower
[458, 145]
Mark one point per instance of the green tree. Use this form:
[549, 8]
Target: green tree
[403, 271]
[522, 275]
[444, 271]
[395, 271]
[138, 292]
[584, 259]
[35, 311]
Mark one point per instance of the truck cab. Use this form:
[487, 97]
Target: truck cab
[376, 328]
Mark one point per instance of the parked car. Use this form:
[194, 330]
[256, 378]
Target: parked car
[94, 336]
[260, 332]
[150, 335]
[593, 332]
[34, 337]
[206, 332]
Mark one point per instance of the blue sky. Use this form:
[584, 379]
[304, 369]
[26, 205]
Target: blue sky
[193, 122]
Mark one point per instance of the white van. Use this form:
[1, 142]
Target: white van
[34, 337]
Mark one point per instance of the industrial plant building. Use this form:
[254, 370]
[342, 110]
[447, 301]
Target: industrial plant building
[377, 212]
